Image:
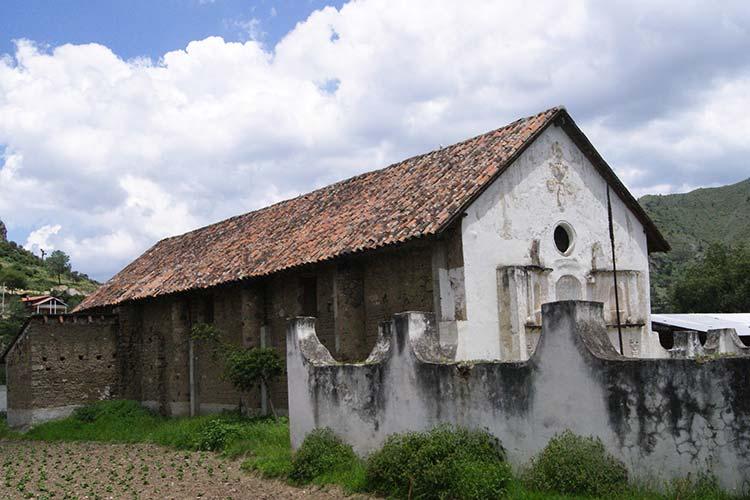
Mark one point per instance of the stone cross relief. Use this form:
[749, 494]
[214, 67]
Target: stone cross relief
[559, 184]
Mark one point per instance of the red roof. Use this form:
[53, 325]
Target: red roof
[417, 197]
[35, 298]
[40, 299]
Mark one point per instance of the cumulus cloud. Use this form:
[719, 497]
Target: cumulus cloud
[39, 238]
[120, 153]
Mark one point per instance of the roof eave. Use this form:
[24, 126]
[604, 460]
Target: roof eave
[460, 212]
[655, 240]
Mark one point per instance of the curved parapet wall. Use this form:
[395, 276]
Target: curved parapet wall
[673, 416]
[724, 341]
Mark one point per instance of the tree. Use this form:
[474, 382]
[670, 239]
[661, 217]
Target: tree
[246, 369]
[13, 279]
[719, 282]
[58, 263]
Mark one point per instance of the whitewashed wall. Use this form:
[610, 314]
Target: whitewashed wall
[551, 182]
[664, 418]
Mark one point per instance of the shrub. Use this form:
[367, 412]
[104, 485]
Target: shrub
[86, 414]
[13, 278]
[445, 462]
[214, 434]
[573, 464]
[476, 479]
[322, 452]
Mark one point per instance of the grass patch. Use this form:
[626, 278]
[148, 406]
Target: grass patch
[129, 422]
[443, 463]
[265, 448]
[5, 432]
[105, 421]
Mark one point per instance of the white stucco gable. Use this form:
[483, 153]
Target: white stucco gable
[512, 264]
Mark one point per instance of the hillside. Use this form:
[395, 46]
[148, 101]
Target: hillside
[36, 278]
[22, 272]
[690, 222]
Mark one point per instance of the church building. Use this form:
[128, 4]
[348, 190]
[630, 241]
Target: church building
[480, 233]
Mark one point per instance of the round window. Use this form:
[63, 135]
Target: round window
[564, 238]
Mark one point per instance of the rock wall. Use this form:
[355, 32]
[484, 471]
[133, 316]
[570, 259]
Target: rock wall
[668, 417]
[59, 363]
[351, 297]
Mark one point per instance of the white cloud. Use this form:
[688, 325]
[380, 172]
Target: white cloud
[247, 29]
[120, 153]
[39, 239]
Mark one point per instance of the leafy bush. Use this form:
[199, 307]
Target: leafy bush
[445, 462]
[214, 434]
[13, 279]
[322, 452]
[246, 368]
[205, 332]
[573, 464]
[86, 414]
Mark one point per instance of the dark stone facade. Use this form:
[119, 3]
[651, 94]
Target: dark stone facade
[58, 363]
[352, 296]
[150, 342]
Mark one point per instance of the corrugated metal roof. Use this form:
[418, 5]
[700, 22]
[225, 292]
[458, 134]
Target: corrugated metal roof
[417, 197]
[702, 322]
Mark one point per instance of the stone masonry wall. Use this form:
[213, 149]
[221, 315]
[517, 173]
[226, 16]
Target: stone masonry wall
[148, 345]
[59, 363]
[668, 417]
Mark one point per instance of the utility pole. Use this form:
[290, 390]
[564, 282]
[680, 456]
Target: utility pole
[43, 253]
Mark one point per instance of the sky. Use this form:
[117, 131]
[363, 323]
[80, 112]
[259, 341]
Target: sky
[124, 122]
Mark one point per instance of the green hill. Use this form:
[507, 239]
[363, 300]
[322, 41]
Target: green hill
[22, 272]
[690, 222]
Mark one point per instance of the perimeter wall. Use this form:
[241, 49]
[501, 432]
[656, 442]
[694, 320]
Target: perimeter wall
[674, 416]
[58, 363]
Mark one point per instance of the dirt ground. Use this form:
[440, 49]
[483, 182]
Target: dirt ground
[95, 470]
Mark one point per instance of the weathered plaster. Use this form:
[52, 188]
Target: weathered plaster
[674, 416]
[24, 419]
[511, 224]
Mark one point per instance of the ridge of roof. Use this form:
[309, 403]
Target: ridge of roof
[416, 197]
[361, 175]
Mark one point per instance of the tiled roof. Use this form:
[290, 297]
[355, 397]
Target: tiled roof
[417, 197]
